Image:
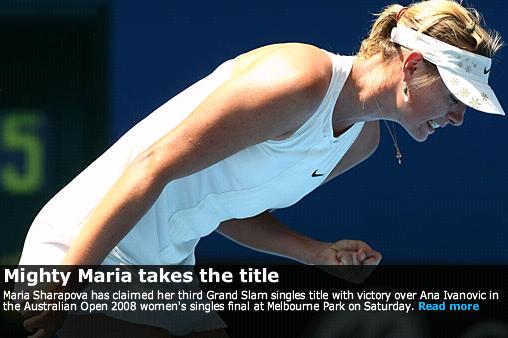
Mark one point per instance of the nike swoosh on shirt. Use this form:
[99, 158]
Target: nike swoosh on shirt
[315, 174]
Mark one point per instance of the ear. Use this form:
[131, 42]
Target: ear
[411, 62]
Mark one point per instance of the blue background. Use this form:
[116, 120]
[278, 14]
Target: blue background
[447, 202]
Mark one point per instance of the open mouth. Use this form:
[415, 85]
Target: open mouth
[434, 124]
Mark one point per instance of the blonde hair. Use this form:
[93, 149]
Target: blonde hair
[445, 20]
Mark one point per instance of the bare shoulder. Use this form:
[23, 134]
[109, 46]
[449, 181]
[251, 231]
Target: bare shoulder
[364, 146]
[306, 65]
[296, 56]
[368, 140]
[294, 74]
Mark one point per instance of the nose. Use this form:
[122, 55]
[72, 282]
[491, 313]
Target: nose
[456, 117]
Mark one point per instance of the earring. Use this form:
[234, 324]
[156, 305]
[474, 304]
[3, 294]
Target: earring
[405, 92]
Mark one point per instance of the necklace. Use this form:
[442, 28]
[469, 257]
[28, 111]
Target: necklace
[398, 154]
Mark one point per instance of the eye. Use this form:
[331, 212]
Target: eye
[453, 99]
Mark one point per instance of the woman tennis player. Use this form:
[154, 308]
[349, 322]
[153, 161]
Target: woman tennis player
[260, 132]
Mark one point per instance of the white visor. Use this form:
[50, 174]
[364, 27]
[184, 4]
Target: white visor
[465, 74]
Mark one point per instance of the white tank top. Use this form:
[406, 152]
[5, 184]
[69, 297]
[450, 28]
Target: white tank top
[269, 175]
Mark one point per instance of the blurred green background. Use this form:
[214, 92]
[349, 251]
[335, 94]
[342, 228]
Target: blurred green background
[53, 104]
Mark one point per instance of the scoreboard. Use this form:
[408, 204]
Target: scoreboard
[53, 104]
[21, 136]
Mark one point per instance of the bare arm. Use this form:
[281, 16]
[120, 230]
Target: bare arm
[267, 234]
[364, 146]
[270, 98]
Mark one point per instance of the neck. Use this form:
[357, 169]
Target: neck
[367, 95]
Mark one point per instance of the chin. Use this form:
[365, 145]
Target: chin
[416, 132]
[419, 137]
[422, 139]
[419, 133]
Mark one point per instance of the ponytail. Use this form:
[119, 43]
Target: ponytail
[379, 36]
[445, 20]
